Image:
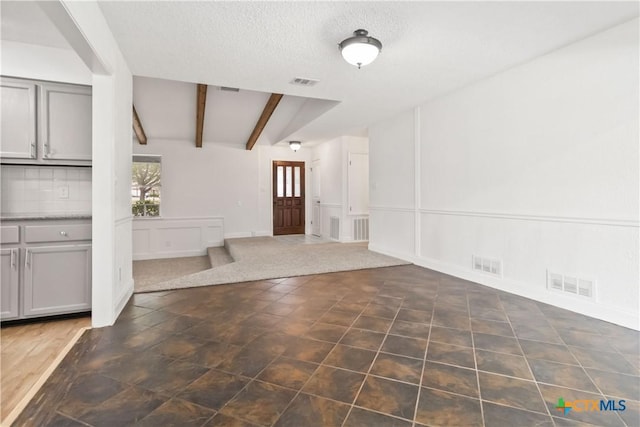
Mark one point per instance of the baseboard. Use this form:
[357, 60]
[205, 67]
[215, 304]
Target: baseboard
[176, 254]
[243, 234]
[395, 254]
[123, 299]
[598, 311]
[238, 235]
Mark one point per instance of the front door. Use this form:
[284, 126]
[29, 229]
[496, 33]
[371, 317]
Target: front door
[288, 198]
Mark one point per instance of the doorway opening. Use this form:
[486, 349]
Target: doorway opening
[288, 198]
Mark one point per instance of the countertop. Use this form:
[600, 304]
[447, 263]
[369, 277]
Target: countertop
[41, 216]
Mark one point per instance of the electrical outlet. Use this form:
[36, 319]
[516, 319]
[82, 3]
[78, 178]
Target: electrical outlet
[63, 192]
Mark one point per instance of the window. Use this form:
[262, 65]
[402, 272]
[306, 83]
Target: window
[145, 185]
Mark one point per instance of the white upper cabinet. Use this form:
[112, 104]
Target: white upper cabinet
[65, 122]
[45, 122]
[18, 123]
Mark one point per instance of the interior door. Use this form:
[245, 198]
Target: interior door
[288, 198]
[316, 212]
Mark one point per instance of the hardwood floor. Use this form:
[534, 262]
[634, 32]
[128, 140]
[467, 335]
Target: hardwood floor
[27, 350]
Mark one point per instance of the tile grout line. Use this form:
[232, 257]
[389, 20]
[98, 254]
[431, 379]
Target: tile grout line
[583, 368]
[424, 359]
[475, 360]
[535, 381]
[320, 364]
[254, 378]
[366, 375]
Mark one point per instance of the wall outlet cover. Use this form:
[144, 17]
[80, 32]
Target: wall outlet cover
[63, 192]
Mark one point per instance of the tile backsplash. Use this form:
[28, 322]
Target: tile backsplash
[45, 190]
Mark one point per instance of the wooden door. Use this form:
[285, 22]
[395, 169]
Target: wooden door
[288, 198]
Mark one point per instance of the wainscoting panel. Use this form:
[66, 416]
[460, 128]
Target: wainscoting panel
[175, 237]
[528, 247]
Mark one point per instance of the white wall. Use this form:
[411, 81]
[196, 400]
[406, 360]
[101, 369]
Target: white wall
[333, 157]
[220, 182]
[112, 240]
[328, 160]
[393, 207]
[155, 238]
[536, 166]
[42, 63]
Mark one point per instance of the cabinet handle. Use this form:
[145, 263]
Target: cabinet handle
[46, 149]
[33, 150]
[63, 233]
[27, 259]
[13, 259]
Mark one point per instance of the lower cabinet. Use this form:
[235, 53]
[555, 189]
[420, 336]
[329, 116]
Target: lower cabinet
[10, 281]
[55, 280]
[45, 267]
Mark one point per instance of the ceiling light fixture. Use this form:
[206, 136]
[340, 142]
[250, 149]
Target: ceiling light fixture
[360, 49]
[295, 145]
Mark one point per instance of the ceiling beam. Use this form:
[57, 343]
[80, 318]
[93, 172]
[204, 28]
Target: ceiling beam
[272, 103]
[201, 103]
[138, 129]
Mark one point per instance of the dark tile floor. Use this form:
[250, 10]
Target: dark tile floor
[398, 346]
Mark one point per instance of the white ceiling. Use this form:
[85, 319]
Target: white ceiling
[429, 48]
[25, 22]
[167, 110]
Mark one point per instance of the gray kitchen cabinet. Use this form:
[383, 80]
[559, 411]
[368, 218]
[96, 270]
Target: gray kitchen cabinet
[46, 267]
[9, 283]
[45, 123]
[18, 119]
[65, 122]
[55, 280]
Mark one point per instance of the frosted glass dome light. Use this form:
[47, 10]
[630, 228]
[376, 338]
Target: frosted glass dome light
[295, 145]
[360, 49]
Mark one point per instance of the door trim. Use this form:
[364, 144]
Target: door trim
[292, 201]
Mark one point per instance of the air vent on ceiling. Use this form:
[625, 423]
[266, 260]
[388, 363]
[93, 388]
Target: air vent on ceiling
[303, 82]
[229, 89]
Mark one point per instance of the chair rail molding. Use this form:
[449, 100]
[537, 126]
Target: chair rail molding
[540, 218]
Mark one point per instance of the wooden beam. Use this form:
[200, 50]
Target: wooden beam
[202, 102]
[138, 129]
[272, 103]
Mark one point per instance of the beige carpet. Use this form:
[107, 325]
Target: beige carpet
[260, 258]
[153, 271]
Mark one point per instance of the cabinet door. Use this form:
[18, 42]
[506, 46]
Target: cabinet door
[57, 279]
[65, 122]
[18, 119]
[9, 283]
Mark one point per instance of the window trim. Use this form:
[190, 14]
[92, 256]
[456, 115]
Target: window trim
[148, 158]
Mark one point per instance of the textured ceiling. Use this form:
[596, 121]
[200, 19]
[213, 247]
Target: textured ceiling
[167, 110]
[429, 48]
[25, 22]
